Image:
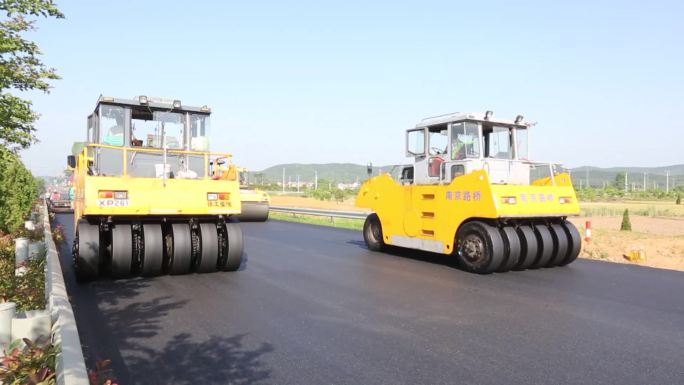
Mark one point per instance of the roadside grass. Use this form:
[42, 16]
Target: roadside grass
[343, 223]
[643, 208]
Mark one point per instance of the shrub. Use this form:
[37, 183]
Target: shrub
[17, 191]
[102, 375]
[34, 364]
[626, 225]
[58, 235]
[679, 199]
[28, 290]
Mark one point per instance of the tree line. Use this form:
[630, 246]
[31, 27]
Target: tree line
[21, 70]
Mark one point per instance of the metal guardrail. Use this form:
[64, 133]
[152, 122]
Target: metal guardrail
[320, 213]
[70, 365]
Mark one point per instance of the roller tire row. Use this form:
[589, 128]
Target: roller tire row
[483, 248]
[150, 249]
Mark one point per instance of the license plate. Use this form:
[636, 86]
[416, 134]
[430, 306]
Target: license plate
[112, 202]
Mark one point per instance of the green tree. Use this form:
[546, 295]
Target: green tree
[626, 225]
[18, 189]
[21, 69]
[619, 181]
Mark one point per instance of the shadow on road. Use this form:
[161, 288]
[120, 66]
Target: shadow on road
[215, 360]
[120, 318]
[418, 255]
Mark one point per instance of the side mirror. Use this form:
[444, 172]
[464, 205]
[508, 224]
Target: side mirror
[71, 161]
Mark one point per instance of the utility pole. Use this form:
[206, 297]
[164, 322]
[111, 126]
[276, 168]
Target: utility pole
[587, 176]
[667, 181]
[644, 182]
[283, 179]
[297, 182]
[315, 180]
[626, 181]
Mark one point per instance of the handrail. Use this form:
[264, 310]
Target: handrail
[90, 149]
[320, 213]
[159, 150]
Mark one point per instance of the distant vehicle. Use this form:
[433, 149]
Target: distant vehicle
[150, 197]
[472, 193]
[59, 201]
[255, 203]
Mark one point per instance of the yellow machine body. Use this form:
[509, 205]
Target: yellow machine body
[151, 196]
[434, 213]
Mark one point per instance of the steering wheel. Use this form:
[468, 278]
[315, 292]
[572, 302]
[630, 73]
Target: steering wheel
[437, 150]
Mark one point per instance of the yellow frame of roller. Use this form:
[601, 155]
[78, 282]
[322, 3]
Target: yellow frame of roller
[468, 194]
[152, 196]
[432, 213]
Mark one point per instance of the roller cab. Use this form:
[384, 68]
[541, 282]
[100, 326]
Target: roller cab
[472, 193]
[150, 198]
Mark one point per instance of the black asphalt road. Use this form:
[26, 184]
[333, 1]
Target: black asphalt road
[313, 306]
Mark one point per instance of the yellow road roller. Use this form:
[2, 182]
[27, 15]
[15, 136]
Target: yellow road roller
[472, 193]
[149, 196]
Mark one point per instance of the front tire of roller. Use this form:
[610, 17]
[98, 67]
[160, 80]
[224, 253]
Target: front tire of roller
[179, 249]
[208, 259]
[122, 250]
[560, 245]
[528, 246]
[235, 247]
[87, 251]
[574, 243]
[544, 245]
[480, 247]
[372, 233]
[153, 252]
[513, 250]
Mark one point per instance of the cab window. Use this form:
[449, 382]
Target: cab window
[465, 141]
[112, 125]
[415, 142]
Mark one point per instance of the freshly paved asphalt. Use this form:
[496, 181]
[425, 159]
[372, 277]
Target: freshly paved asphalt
[313, 306]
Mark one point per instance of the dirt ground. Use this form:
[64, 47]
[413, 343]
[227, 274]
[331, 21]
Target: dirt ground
[658, 240]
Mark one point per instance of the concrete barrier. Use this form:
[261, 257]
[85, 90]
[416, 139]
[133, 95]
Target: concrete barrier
[71, 367]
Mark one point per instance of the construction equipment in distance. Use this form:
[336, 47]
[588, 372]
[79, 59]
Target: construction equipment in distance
[471, 192]
[59, 200]
[149, 198]
[254, 203]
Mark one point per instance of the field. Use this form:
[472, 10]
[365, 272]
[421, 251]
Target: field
[657, 228]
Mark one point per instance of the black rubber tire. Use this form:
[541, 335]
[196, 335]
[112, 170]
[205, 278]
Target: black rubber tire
[544, 246]
[574, 243]
[179, 249]
[122, 250]
[153, 251]
[209, 249]
[528, 247]
[372, 233]
[235, 247]
[87, 251]
[560, 245]
[513, 250]
[480, 247]
[253, 212]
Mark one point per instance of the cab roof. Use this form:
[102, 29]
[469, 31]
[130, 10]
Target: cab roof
[152, 102]
[470, 116]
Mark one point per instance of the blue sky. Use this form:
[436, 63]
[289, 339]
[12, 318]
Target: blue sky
[319, 81]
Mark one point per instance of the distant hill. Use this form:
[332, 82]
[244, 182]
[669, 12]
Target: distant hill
[338, 172]
[349, 172]
[635, 175]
